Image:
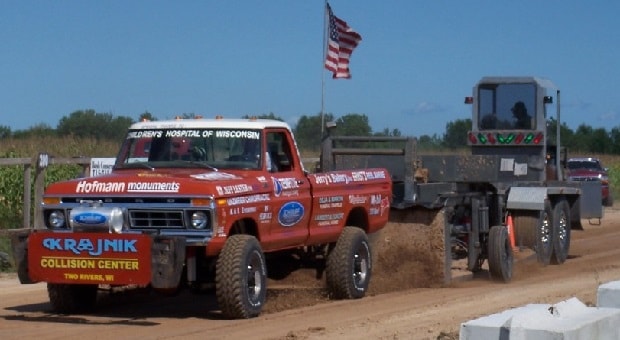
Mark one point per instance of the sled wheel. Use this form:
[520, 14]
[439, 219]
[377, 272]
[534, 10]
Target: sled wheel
[500, 254]
[544, 235]
[241, 277]
[72, 298]
[561, 232]
[349, 265]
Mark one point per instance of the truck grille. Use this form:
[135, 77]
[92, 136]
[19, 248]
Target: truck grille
[584, 178]
[139, 219]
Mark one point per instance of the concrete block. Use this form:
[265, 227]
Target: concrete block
[567, 320]
[494, 326]
[608, 295]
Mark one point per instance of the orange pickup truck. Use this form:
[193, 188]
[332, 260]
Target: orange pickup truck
[201, 201]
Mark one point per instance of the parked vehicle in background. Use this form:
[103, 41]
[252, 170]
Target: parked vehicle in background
[590, 169]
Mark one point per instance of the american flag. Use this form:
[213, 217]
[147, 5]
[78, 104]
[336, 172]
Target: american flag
[342, 41]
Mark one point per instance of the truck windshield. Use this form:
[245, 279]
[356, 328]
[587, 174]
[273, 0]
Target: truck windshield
[584, 164]
[507, 106]
[211, 148]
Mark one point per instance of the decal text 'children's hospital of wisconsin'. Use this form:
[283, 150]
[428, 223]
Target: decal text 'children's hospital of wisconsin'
[194, 134]
[106, 187]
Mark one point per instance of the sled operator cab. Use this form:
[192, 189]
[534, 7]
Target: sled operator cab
[509, 117]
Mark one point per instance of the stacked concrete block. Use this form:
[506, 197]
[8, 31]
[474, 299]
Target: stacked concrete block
[570, 319]
[608, 295]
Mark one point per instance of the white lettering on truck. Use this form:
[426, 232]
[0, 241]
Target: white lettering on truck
[153, 187]
[96, 186]
[104, 187]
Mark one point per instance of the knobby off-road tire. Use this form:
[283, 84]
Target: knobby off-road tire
[349, 265]
[561, 231]
[70, 298]
[241, 278]
[500, 254]
[544, 235]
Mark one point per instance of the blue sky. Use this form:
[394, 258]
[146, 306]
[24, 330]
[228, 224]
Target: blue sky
[416, 63]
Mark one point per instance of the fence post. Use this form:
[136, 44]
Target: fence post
[27, 196]
[42, 162]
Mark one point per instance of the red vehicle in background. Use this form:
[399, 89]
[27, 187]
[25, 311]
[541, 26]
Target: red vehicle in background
[590, 169]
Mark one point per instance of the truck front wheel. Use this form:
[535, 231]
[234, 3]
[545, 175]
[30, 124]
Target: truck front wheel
[70, 298]
[500, 254]
[349, 265]
[241, 277]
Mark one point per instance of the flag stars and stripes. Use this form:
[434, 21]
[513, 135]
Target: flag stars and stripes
[342, 41]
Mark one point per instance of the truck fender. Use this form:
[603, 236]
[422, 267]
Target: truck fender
[527, 198]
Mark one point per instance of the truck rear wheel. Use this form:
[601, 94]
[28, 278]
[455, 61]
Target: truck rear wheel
[70, 298]
[349, 265]
[241, 277]
[500, 254]
[544, 235]
[534, 229]
[561, 232]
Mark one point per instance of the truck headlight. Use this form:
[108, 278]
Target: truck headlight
[56, 219]
[199, 220]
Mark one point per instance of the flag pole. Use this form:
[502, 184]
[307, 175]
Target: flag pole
[325, 23]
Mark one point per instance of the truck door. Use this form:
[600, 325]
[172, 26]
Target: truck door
[291, 197]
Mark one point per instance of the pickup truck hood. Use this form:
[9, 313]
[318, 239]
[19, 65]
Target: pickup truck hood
[191, 182]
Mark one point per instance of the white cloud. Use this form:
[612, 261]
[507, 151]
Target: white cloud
[608, 116]
[424, 108]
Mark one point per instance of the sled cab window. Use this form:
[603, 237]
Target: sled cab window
[507, 106]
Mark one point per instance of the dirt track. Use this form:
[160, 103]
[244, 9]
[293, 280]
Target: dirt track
[392, 311]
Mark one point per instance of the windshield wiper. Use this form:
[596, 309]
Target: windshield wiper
[201, 164]
[136, 165]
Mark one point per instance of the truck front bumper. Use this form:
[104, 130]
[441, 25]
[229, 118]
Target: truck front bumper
[98, 258]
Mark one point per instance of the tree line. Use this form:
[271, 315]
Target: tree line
[308, 132]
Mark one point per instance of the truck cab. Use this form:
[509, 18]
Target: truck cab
[509, 117]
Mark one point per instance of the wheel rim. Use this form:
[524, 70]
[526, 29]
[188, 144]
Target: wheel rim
[255, 279]
[563, 228]
[361, 261]
[545, 230]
